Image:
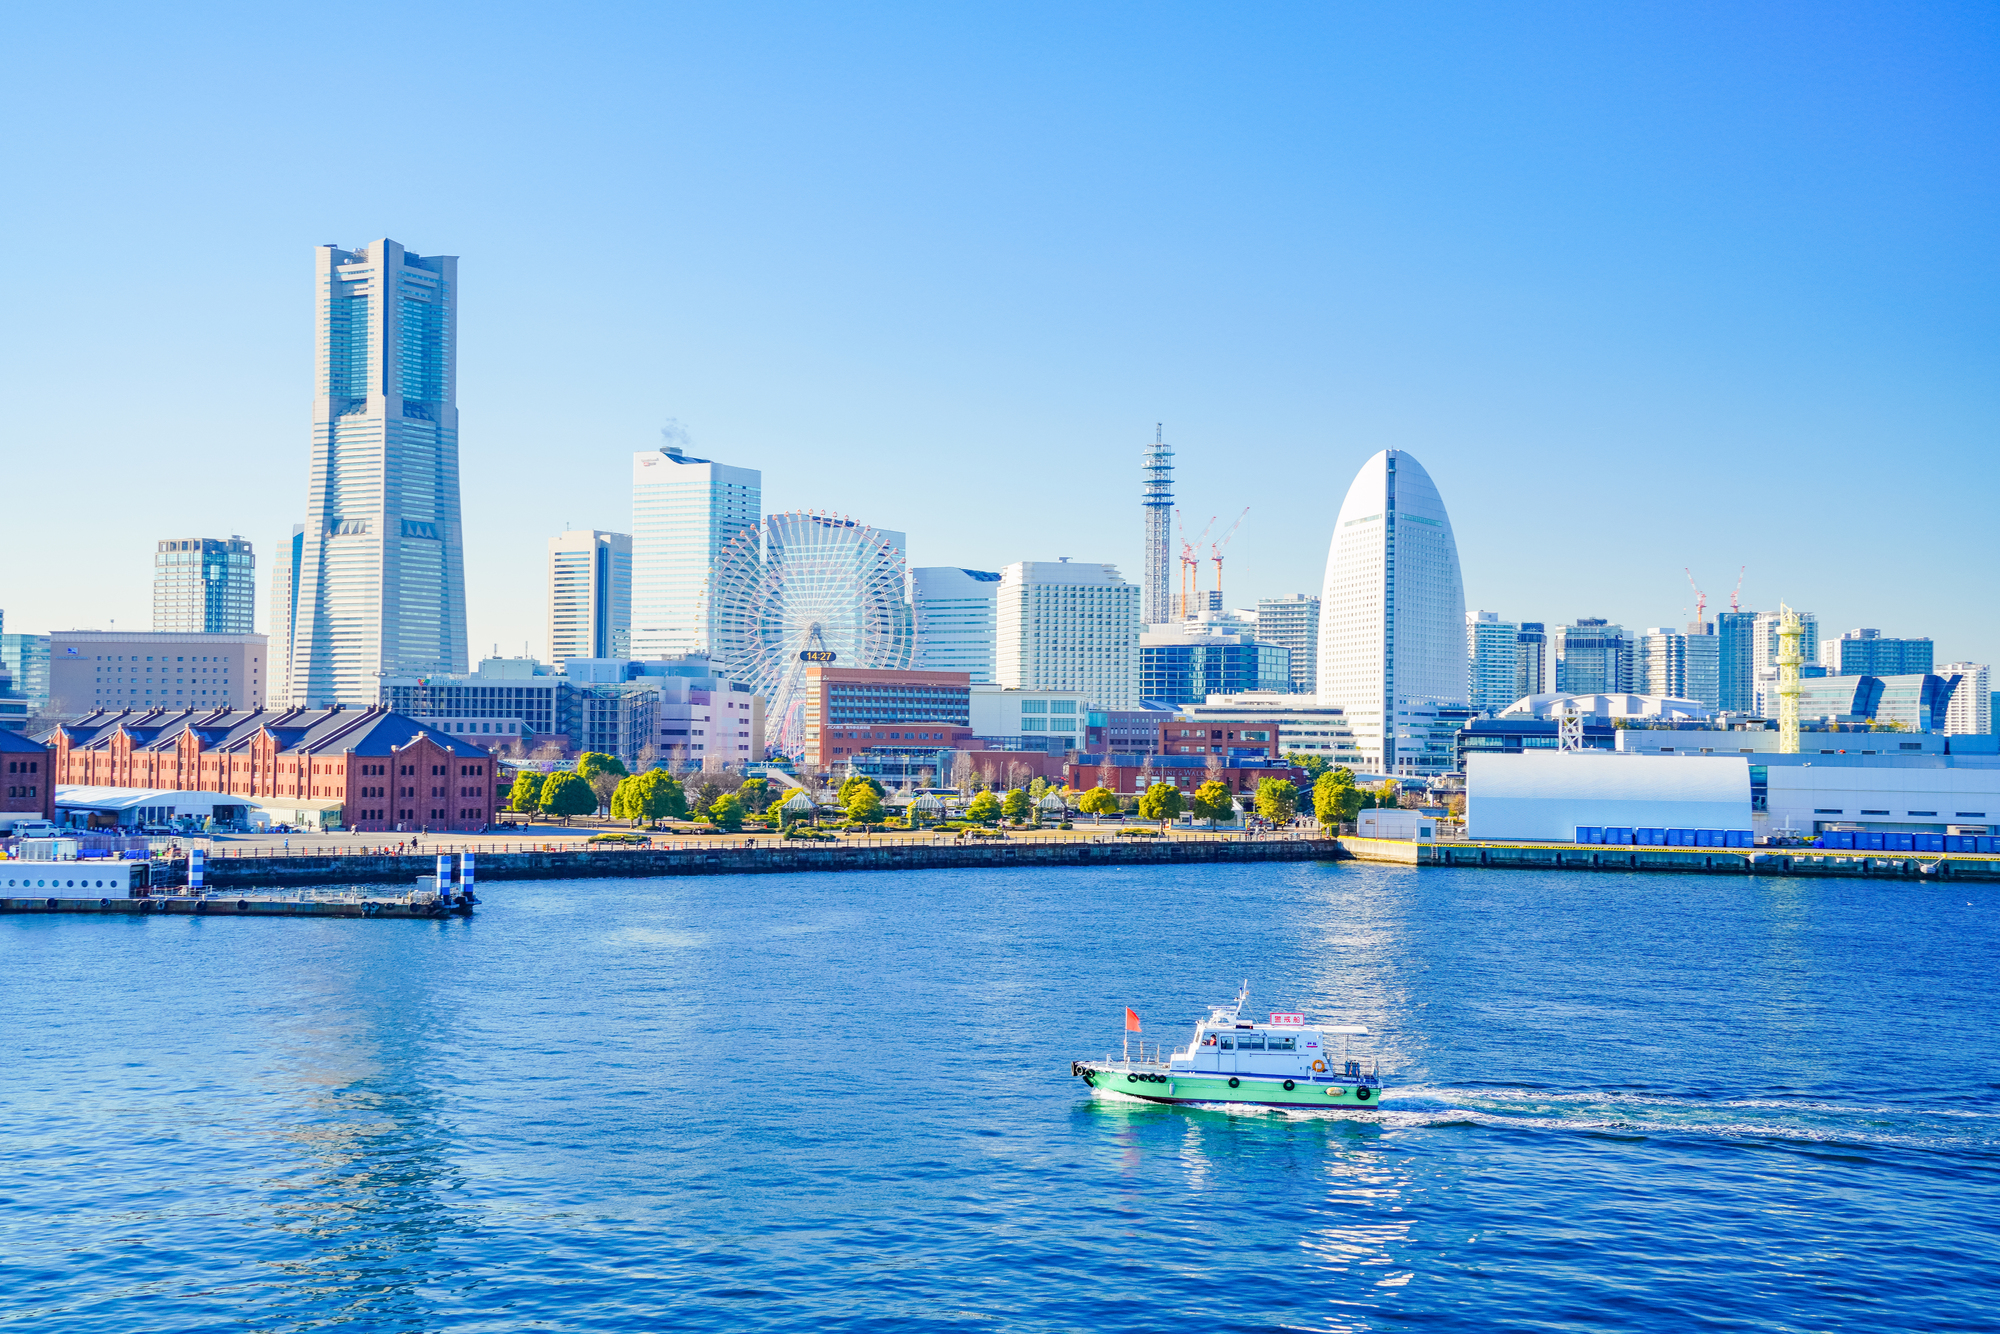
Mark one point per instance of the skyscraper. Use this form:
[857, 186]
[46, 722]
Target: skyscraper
[1293, 623]
[1593, 657]
[381, 574]
[1067, 625]
[1871, 653]
[1736, 660]
[1531, 663]
[1156, 491]
[285, 612]
[1493, 652]
[590, 595]
[1392, 619]
[686, 512]
[956, 618]
[204, 585]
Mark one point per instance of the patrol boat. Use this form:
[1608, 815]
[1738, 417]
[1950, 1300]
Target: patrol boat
[1230, 1059]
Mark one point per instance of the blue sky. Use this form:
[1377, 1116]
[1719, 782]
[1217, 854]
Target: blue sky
[1643, 287]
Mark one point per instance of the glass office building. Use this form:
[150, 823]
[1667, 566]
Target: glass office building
[957, 619]
[204, 586]
[381, 576]
[687, 515]
[1181, 668]
[590, 595]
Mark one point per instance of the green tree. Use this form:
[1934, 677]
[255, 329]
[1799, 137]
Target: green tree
[755, 794]
[1017, 807]
[727, 812]
[985, 809]
[1162, 802]
[1314, 765]
[565, 794]
[1038, 789]
[1335, 798]
[864, 804]
[624, 798]
[854, 784]
[1277, 800]
[1212, 802]
[605, 785]
[526, 794]
[594, 762]
[1098, 802]
[1385, 795]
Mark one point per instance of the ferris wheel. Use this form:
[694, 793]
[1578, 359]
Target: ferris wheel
[825, 590]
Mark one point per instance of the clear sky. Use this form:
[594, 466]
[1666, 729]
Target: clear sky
[1642, 286]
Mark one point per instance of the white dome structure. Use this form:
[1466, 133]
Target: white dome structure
[1392, 616]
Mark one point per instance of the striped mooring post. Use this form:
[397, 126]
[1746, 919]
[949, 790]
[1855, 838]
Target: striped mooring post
[197, 870]
[444, 876]
[465, 873]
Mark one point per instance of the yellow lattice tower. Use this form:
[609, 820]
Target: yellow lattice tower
[1790, 631]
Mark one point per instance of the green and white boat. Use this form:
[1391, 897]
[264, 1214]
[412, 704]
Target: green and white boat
[1287, 1062]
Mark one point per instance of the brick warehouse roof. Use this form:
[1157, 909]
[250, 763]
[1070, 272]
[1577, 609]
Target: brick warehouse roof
[370, 731]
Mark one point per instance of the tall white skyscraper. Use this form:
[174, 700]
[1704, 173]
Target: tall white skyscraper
[1392, 615]
[956, 620]
[1679, 665]
[285, 612]
[381, 577]
[590, 595]
[1970, 712]
[1066, 625]
[685, 513]
[204, 585]
[1493, 660]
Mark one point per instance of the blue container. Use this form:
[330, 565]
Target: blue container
[1680, 838]
[1900, 843]
[1652, 838]
[1708, 838]
[1929, 842]
[1838, 839]
[1985, 843]
[1958, 843]
[1615, 834]
[1739, 838]
[1589, 833]
[1867, 842]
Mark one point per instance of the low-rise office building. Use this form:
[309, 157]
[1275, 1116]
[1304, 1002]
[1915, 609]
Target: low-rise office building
[30, 789]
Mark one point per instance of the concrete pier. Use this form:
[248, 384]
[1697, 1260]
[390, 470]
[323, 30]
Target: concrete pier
[1700, 861]
[173, 906]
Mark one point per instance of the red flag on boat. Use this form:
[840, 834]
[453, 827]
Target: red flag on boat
[1131, 1020]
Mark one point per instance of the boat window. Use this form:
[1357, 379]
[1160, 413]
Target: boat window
[1283, 1044]
[1228, 1042]
[1250, 1041]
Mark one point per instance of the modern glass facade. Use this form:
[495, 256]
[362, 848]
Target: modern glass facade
[25, 659]
[1971, 709]
[1736, 661]
[204, 586]
[1917, 701]
[1869, 653]
[1492, 650]
[1531, 662]
[1069, 625]
[1392, 618]
[956, 620]
[1188, 669]
[1593, 657]
[1675, 665]
[688, 515]
[381, 576]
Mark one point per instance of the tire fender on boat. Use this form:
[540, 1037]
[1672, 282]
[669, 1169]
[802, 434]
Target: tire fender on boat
[1364, 1093]
[1131, 1079]
[1234, 1081]
[1289, 1086]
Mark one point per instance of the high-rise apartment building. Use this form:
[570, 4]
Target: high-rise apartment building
[1679, 665]
[1593, 657]
[1493, 660]
[24, 659]
[1871, 653]
[1764, 654]
[1736, 661]
[1293, 624]
[590, 595]
[957, 620]
[381, 575]
[686, 515]
[1392, 619]
[1970, 712]
[1531, 664]
[1069, 625]
[204, 586]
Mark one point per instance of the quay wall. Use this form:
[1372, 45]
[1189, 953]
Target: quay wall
[230, 873]
[1700, 861]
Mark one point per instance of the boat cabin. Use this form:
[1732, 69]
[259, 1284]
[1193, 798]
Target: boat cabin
[1286, 1046]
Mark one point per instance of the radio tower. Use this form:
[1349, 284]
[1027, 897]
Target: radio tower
[1157, 498]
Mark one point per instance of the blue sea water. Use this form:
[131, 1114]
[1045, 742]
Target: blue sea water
[842, 1102]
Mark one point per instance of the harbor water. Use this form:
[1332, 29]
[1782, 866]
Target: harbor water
[843, 1102]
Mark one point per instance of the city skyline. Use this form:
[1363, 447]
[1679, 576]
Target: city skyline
[1528, 276]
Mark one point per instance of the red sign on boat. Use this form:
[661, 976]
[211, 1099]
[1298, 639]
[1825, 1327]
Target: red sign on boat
[1287, 1020]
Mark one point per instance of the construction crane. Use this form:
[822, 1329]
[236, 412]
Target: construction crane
[1700, 600]
[1737, 592]
[1215, 551]
[1190, 566]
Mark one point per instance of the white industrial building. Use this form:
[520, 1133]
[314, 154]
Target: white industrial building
[1547, 796]
[1932, 798]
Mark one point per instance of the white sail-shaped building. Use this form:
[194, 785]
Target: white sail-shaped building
[1392, 619]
